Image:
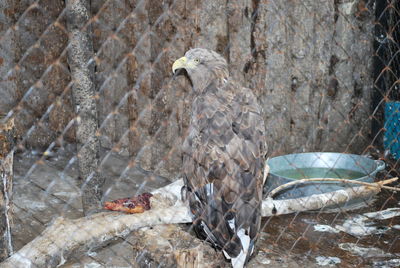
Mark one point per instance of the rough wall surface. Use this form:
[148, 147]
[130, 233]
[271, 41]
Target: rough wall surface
[309, 63]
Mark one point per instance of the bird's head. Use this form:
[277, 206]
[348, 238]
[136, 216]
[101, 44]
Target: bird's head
[203, 66]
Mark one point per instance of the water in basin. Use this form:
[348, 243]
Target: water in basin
[307, 173]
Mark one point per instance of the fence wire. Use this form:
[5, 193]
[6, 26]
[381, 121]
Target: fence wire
[326, 74]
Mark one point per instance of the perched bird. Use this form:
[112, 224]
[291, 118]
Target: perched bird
[223, 156]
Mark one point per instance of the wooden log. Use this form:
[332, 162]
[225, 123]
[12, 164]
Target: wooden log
[171, 246]
[65, 237]
[6, 183]
[336, 199]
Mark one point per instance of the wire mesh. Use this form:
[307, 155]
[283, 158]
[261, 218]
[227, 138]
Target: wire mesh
[323, 72]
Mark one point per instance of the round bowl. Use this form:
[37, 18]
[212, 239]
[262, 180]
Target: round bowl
[287, 168]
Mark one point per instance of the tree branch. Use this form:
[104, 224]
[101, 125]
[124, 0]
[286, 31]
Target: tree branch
[380, 184]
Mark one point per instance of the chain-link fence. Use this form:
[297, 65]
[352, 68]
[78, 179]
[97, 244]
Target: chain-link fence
[91, 112]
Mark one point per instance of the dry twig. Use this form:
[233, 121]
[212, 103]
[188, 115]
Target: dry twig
[380, 184]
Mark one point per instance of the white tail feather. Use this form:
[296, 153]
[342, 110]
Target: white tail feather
[239, 260]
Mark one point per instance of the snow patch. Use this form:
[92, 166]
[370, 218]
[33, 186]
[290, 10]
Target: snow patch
[330, 261]
[93, 265]
[387, 263]
[264, 261]
[384, 214]
[363, 251]
[358, 226]
[91, 253]
[325, 228]
[361, 225]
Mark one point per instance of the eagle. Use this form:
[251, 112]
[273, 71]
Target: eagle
[224, 156]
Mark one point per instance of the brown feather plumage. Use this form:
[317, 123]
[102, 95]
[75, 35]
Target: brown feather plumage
[223, 154]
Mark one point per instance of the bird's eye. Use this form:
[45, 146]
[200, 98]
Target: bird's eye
[196, 60]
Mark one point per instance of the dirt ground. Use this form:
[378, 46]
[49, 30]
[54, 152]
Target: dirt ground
[45, 189]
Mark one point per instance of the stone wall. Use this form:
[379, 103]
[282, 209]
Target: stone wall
[308, 62]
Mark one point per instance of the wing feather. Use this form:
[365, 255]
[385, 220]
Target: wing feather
[223, 163]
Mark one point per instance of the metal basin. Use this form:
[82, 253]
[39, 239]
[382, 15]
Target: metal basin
[287, 168]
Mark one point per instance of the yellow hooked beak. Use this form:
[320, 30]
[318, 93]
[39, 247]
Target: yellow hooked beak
[184, 63]
[179, 64]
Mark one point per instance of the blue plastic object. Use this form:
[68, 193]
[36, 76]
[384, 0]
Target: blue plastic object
[391, 139]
